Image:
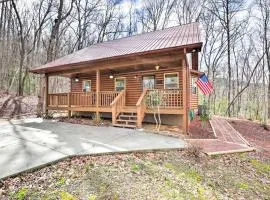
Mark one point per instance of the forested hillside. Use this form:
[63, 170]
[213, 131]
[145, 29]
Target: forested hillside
[235, 55]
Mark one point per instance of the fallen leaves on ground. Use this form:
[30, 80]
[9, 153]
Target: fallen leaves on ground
[159, 175]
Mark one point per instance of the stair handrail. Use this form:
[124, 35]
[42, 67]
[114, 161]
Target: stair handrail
[140, 101]
[119, 96]
[141, 107]
[120, 99]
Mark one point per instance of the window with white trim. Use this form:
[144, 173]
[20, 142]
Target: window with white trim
[194, 89]
[171, 81]
[120, 84]
[86, 86]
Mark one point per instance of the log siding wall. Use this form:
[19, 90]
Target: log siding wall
[133, 83]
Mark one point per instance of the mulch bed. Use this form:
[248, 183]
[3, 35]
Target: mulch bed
[173, 131]
[198, 130]
[255, 134]
[85, 121]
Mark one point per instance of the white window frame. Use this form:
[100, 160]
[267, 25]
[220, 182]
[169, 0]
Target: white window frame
[83, 85]
[119, 78]
[194, 85]
[177, 73]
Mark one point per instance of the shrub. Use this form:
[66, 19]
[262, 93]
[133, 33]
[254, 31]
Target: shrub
[48, 115]
[193, 151]
[205, 115]
[97, 119]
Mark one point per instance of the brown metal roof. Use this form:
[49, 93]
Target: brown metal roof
[176, 36]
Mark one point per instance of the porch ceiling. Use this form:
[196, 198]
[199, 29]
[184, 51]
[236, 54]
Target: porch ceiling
[130, 69]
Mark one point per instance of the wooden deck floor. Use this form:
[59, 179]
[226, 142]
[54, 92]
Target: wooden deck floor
[128, 109]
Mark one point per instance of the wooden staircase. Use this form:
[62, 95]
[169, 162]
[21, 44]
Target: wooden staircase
[126, 120]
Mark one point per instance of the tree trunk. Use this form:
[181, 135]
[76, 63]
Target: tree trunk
[229, 56]
[22, 49]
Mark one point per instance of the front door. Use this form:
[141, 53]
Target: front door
[148, 82]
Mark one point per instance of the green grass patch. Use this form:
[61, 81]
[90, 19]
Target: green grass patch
[243, 185]
[201, 193]
[193, 174]
[89, 167]
[243, 155]
[61, 181]
[21, 194]
[261, 167]
[183, 172]
[67, 196]
[92, 197]
[135, 168]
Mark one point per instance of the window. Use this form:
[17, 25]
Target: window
[120, 84]
[193, 86]
[86, 86]
[171, 81]
[149, 82]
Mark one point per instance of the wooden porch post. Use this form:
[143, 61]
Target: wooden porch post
[186, 94]
[69, 103]
[97, 90]
[68, 98]
[46, 99]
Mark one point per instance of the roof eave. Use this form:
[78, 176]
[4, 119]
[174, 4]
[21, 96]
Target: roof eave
[41, 70]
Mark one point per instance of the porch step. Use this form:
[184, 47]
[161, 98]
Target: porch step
[126, 120]
[128, 116]
[125, 125]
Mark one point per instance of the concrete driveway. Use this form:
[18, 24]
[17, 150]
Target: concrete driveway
[30, 143]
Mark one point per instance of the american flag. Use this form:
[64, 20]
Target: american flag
[204, 84]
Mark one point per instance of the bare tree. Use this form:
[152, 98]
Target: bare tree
[54, 37]
[227, 12]
[85, 15]
[213, 50]
[22, 47]
[264, 6]
[155, 14]
[188, 11]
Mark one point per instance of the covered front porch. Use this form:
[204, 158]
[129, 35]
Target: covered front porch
[122, 90]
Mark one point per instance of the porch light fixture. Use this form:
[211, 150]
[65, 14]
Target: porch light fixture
[111, 76]
[135, 76]
[157, 67]
[76, 79]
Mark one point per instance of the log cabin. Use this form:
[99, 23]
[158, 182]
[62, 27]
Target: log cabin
[115, 78]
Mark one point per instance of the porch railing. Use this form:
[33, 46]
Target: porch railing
[106, 98]
[81, 99]
[58, 100]
[165, 98]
